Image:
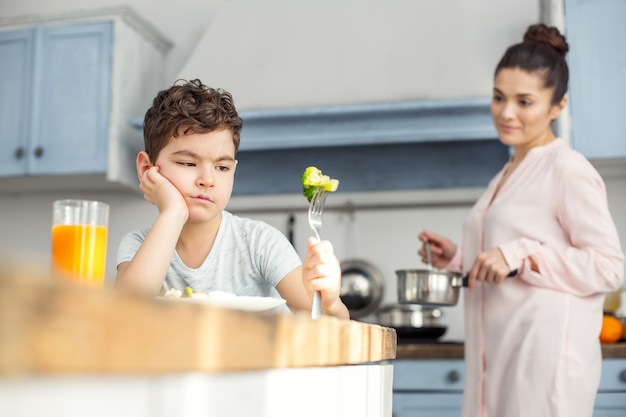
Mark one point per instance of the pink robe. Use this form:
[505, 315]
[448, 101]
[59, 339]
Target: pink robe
[532, 345]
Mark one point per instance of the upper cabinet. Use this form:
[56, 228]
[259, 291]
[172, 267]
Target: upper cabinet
[67, 91]
[55, 84]
[16, 52]
[596, 31]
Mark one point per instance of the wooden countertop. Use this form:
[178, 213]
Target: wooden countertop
[614, 350]
[51, 326]
[455, 351]
[430, 351]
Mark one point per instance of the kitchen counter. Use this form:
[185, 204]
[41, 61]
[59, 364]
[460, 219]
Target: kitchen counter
[100, 352]
[347, 391]
[455, 350]
[614, 350]
[433, 350]
[52, 326]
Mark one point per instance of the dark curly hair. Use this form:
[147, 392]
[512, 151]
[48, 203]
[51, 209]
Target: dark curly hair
[187, 108]
[542, 52]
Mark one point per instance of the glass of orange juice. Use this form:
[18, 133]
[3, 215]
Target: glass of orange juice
[79, 240]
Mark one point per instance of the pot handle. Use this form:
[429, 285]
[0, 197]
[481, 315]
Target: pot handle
[466, 277]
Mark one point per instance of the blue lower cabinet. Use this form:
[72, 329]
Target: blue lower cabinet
[434, 388]
[428, 388]
[610, 404]
[434, 404]
[611, 398]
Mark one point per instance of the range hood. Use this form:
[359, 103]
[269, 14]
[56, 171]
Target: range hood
[402, 87]
[276, 54]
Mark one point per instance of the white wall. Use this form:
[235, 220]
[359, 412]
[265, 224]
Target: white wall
[290, 53]
[282, 53]
[182, 21]
[385, 237]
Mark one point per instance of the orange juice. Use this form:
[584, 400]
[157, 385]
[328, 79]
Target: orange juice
[79, 252]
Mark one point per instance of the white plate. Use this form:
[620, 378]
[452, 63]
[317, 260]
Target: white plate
[237, 302]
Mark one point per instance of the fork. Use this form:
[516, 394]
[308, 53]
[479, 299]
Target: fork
[315, 221]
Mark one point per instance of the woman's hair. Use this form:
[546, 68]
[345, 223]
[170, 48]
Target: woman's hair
[188, 108]
[542, 52]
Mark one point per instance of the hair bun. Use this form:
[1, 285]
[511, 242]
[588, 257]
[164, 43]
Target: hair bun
[550, 35]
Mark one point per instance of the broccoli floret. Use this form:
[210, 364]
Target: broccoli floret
[312, 178]
[308, 192]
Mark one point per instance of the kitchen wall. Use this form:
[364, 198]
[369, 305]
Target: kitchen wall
[284, 53]
[301, 53]
[183, 22]
[380, 228]
[358, 225]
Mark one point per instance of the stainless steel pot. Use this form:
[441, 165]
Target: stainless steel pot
[434, 287]
[428, 287]
[362, 287]
[408, 315]
[412, 321]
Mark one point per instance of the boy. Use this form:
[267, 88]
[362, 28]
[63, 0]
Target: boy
[191, 136]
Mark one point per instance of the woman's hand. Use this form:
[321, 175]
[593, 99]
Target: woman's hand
[321, 271]
[442, 250]
[490, 266]
[159, 191]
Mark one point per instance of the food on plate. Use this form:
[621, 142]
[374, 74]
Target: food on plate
[220, 294]
[173, 293]
[188, 292]
[611, 330]
[312, 178]
[223, 299]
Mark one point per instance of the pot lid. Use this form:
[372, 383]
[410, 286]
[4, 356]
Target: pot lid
[362, 287]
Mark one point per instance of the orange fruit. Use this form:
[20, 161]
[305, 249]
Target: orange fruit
[612, 329]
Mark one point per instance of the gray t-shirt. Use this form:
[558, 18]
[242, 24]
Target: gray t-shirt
[248, 258]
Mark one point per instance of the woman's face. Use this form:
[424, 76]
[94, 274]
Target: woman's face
[522, 109]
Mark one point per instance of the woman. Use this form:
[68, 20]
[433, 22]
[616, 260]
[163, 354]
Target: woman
[532, 344]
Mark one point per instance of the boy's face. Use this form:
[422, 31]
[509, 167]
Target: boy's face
[202, 167]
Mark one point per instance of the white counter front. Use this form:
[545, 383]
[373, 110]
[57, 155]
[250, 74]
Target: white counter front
[338, 391]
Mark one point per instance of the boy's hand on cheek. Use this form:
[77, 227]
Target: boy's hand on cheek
[159, 191]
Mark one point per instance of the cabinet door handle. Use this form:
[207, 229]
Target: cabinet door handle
[38, 151]
[622, 376]
[19, 153]
[453, 376]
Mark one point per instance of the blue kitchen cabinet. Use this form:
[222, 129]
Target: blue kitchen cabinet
[428, 388]
[69, 85]
[55, 99]
[611, 398]
[434, 388]
[16, 56]
[595, 32]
